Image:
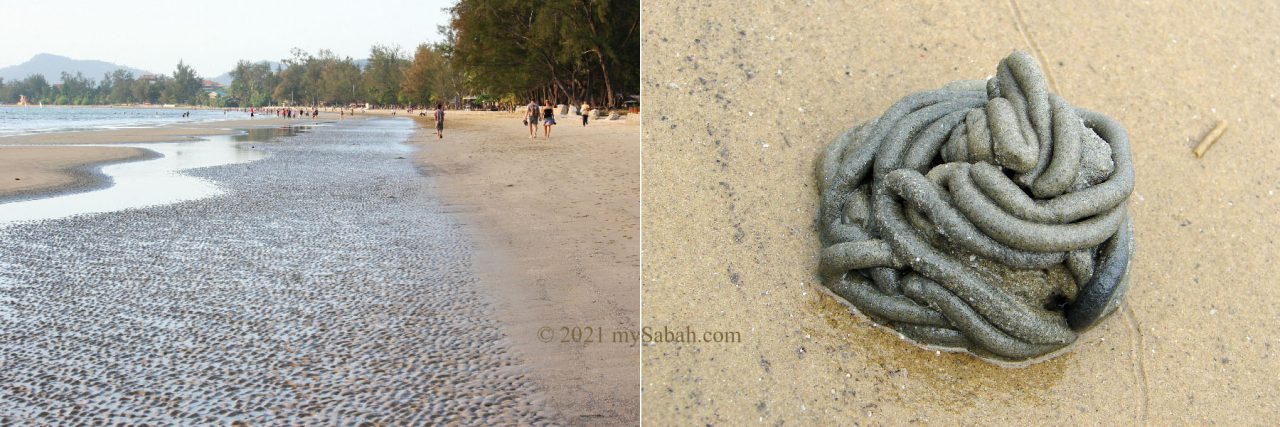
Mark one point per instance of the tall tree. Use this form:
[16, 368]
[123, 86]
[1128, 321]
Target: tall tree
[184, 88]
[121, 84]
[610, 30]
[383, 74]
[549, 46]
[252, 83]
[140, 91]
[36, 88]
[291, 75]
[430, 79]
[340, 82]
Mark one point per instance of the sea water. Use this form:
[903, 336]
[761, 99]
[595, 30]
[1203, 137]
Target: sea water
[20, 120]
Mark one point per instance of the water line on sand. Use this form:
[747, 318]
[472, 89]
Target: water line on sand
[139, 184]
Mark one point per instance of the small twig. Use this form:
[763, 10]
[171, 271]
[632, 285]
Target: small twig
[1211, 138]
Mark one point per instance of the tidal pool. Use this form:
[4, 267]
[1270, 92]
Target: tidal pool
[152, 182]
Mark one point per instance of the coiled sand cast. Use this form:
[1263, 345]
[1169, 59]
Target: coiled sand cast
[986, 215]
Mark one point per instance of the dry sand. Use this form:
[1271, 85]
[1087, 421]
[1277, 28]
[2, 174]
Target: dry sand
[556, 229]
[31, 170]
[740, 99]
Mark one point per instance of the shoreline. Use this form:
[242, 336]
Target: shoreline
[555, 228]
[84, 176]
[571, 260]
[74, 167]
[329, 286]
[168, 132]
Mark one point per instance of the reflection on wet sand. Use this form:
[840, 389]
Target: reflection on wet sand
[152, 182]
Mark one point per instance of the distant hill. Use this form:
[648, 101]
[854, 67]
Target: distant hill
[52, 66]
[225, 78]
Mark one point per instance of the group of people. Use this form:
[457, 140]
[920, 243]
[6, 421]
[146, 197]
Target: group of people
[534, 114]
[547, 115]
[283, 112]
[290, 113]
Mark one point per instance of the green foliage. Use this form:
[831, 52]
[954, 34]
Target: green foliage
[252, 84]
[35, 87]
[431, 78]
[340, 82]
[322, 79]
[118, 87]
[185, 86]
[571, 50]
[383, 74]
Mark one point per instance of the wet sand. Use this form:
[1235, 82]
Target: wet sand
[328, 285]
[740, 100]
[556, 227]
[28, 171]
[33, 170]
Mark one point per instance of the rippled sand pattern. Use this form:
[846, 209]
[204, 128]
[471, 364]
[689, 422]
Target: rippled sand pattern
[327, 286]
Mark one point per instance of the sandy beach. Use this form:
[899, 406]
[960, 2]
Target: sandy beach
[546, 248]
[326, 284]
[556, 227]
[736, 119]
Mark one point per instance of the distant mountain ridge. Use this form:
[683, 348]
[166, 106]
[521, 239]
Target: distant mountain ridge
[52, 66]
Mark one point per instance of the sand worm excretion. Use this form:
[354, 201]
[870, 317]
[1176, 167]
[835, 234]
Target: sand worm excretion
[986, 215]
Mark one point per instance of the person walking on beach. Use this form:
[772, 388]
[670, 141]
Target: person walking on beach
[584, 110]
[440, 121]
[548, 118]
[531, 117]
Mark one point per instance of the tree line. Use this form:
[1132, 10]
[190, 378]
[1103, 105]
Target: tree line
[388, 78]
[499, 52]
[563, 50]
[117, 87]
[494, 53]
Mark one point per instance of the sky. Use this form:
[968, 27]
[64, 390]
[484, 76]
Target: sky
[211, 35]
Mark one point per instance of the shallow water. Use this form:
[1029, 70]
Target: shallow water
[263, 134]
[16, 120]
[151, 182]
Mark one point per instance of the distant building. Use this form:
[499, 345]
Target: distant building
[214, 89]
